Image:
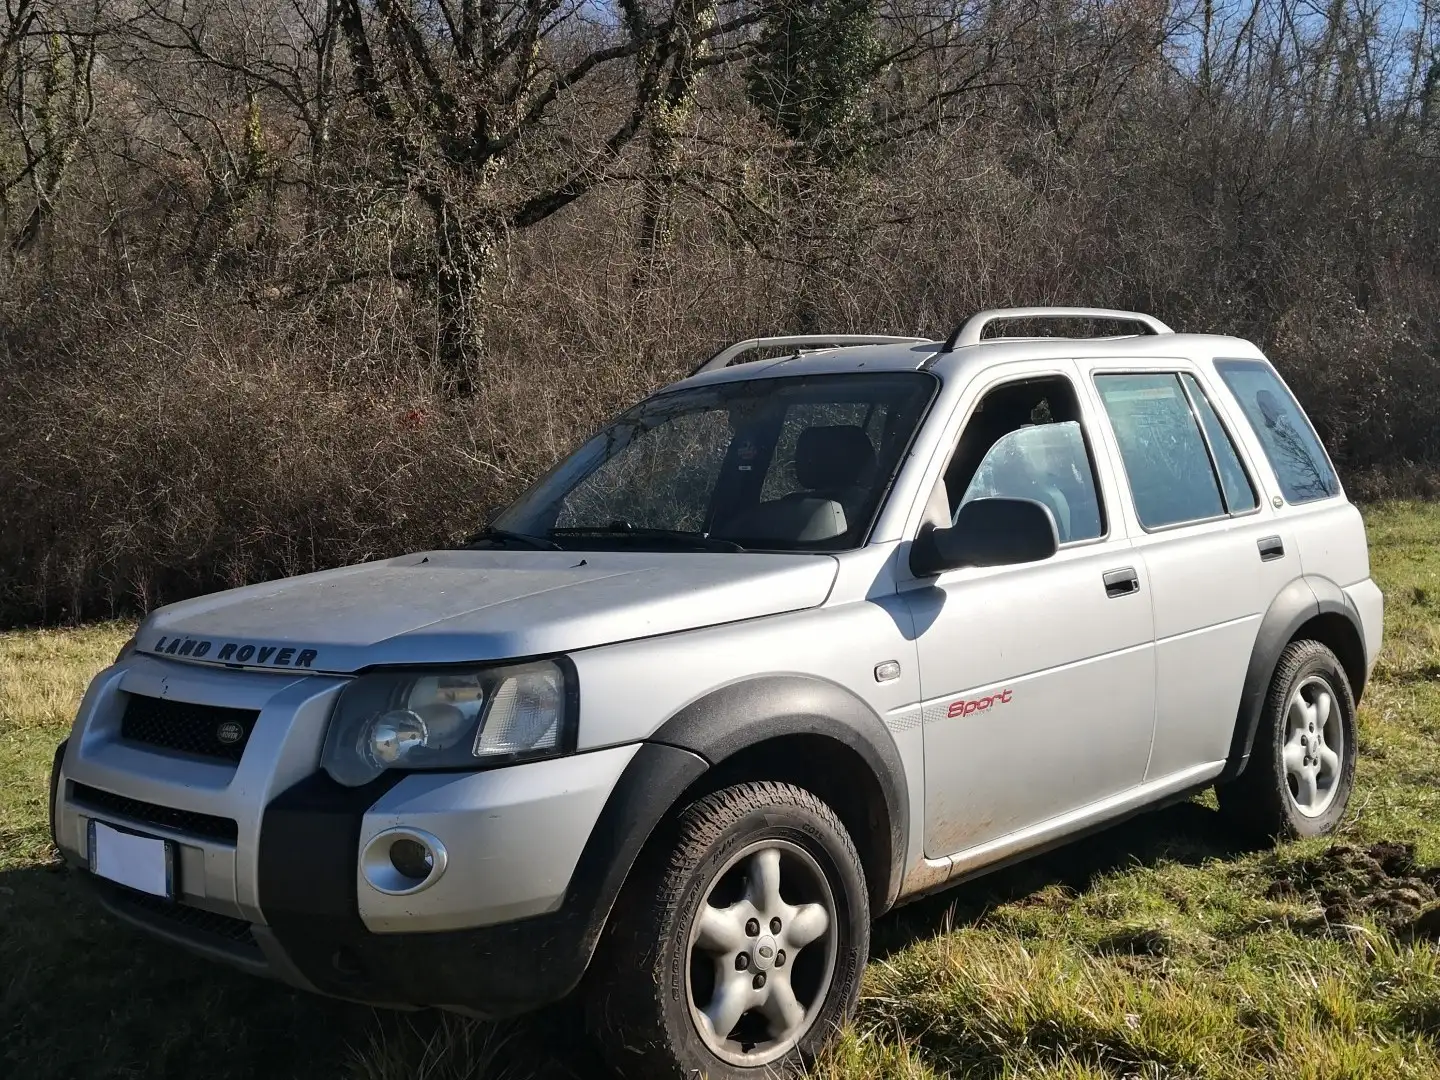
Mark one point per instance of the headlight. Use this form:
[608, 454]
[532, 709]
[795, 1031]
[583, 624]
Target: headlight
[449, 720]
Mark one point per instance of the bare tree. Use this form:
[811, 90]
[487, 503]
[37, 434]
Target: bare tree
[499, 113]
[47, 62]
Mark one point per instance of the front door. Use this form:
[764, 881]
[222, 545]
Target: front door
[1038, 679]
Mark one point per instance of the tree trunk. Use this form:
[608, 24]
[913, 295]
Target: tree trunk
[657, 192]
[465, 256]
[669, 120]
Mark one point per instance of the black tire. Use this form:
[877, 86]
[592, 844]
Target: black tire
[1260, 803]
[638, 987]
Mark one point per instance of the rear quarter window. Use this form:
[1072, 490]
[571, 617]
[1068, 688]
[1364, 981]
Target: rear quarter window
[1290, 443]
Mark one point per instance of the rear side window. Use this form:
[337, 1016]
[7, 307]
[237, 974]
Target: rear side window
[1285, 434]
[1165, 456]
[1239, 492]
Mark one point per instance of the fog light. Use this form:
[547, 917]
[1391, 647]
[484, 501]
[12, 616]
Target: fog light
[411, 858]
[402, 860]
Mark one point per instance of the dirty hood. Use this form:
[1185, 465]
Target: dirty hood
[456, 606]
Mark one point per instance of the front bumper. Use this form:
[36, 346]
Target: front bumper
[267, 850]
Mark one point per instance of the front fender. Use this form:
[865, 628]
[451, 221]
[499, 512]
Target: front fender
[745, 714]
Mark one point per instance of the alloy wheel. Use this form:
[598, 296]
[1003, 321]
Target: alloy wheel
[1314, 746]
[762, 953]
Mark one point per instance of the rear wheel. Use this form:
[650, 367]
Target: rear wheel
[1302, 763]
[735, 950]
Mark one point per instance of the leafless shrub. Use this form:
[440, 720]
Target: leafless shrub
[226, 351]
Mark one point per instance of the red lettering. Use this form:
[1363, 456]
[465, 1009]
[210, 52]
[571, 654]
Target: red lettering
[961, 707]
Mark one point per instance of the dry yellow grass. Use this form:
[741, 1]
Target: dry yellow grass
[43, 674]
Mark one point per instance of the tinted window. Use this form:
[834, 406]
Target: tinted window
[1286, 436]
[1049, 464]
[1239, 492]
[1165, 457]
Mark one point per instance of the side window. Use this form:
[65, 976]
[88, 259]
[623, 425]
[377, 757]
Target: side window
[1234, 481]
[1168, 465]
[1285, 434]
[1025, 441]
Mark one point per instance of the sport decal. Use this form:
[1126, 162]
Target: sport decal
[962, 707]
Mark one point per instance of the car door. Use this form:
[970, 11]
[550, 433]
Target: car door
[1037, 679]
[1215, 553]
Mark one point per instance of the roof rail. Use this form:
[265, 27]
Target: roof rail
[727, 355]
[974, 327]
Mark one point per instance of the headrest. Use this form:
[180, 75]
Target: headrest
[827, 458]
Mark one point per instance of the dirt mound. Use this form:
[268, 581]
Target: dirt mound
[1382, 882]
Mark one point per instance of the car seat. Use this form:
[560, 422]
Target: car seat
[835, 468]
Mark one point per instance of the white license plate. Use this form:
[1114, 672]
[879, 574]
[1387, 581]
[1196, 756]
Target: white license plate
[138, 862]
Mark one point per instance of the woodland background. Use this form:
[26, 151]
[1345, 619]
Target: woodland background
[292, 283]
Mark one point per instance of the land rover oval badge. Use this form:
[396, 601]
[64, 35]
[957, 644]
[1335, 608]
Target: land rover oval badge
[229, 732]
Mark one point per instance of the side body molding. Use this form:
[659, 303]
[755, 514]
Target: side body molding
[1304, 599]
[742, 715]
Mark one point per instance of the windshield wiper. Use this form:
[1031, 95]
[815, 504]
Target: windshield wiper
[509, 536]
[625, 531]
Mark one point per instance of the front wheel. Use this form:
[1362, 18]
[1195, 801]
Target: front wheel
[1302, 763]
[738, 951]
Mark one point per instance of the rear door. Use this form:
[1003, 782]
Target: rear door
[1216, 555]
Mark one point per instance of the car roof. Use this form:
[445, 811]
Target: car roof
[968, 360]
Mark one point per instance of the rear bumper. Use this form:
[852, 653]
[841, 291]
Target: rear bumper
[1370, 605]
[268, 878]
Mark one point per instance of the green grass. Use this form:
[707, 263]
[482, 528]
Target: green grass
[1155, 949]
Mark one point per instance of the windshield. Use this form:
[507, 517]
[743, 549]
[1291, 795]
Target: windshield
[789, 464]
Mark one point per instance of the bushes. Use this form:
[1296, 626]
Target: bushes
[142, 477]
[183, 455]
[222, 349]
[136, 486]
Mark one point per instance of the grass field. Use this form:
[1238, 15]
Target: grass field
[1155, 949]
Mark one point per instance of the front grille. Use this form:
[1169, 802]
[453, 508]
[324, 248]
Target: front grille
[186, 821]
[191, 923]
[211, 731]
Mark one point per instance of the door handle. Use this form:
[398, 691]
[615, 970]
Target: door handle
[1271, 548]
[1121, 582]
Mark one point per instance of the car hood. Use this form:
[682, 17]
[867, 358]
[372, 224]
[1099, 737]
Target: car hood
[440, 607]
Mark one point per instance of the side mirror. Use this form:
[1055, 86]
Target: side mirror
[987, 532]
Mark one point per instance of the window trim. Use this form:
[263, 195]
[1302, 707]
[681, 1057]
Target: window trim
[1106, 515]
[1210, 448]
[1265, 365]
[1175, 373]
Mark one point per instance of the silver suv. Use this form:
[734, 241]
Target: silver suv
[787, 644]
